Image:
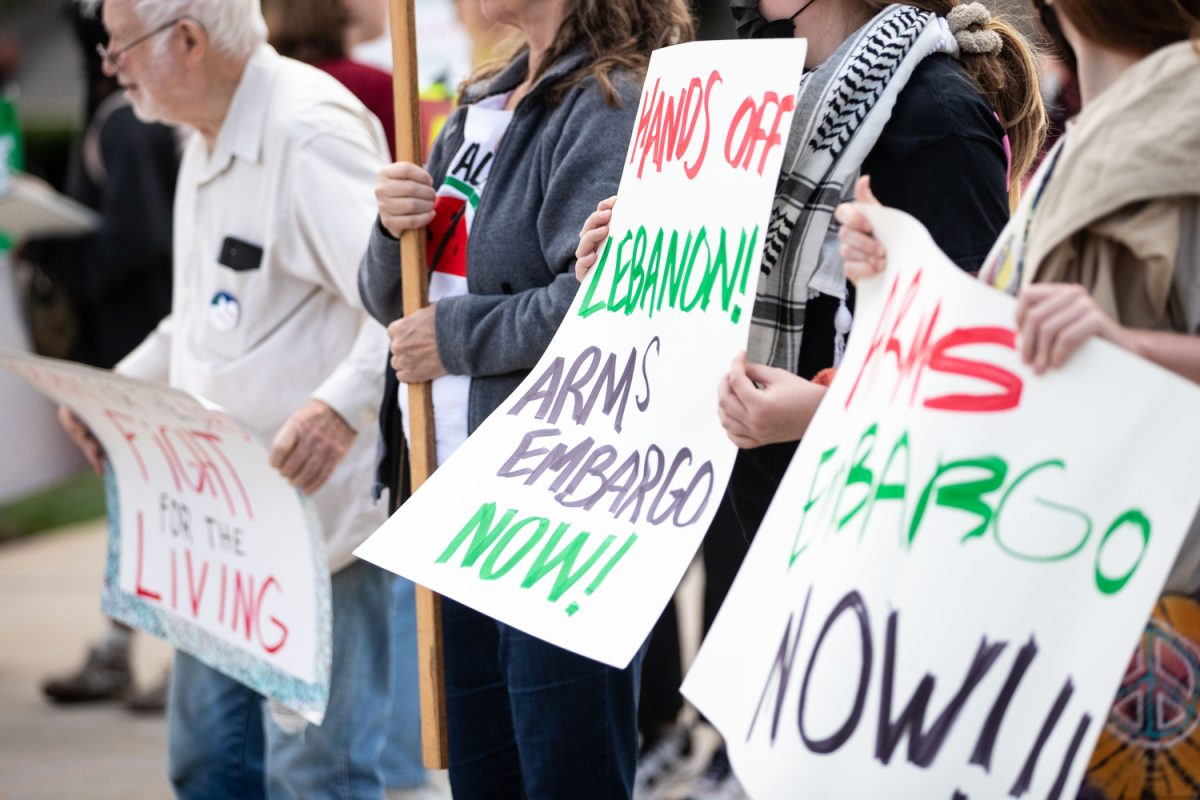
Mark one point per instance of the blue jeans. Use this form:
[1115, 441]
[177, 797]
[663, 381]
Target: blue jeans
[224, 743]
[533, 721]
[403, 767]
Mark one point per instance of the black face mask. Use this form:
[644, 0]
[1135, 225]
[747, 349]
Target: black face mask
[751, 25]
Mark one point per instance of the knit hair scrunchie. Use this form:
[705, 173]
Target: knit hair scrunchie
[962, 18]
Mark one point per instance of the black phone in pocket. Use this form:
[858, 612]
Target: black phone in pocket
[240, 255]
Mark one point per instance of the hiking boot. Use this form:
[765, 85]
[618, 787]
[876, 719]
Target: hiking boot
[662, 764]
[105, 675]
[718, 781]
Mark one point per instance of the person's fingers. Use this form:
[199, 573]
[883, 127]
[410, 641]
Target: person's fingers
[296, 462]
[740, 384]
[607, 204]
[584, 265]
[1033, 311]
[397, 226]
[858, 242]
[1050, 327]
[728, 400]
[405, 206]
[397, 189]
[283, 445]
[743, 442]
[81, 435]
[309, 475]
[595, 220]
[733, 425]
[849, 215]
[94, 454]
[764, 375]
[1070, 339]
[861, 270]
[590, 241]
[1034, 297]
[318, 483]
[406, 171]
[73, 425]
[863, 193]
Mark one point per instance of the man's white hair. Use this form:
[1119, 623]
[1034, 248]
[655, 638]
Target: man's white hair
[235, 27]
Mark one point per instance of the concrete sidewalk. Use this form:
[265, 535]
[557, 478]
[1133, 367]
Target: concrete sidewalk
[49, 611]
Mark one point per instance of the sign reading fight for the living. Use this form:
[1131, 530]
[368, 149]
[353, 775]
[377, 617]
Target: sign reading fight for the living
[574, 510]
[209, 547]
[948, 587]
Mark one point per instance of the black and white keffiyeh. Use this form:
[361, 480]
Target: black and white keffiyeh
[841, 109]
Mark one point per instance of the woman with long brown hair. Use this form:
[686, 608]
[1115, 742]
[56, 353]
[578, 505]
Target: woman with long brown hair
[1106, 244]
[539, 136]
[938, 102]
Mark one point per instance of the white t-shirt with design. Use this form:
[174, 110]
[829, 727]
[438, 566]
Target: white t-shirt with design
[446, 250]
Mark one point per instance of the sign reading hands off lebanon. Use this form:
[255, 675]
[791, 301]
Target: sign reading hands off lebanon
[209, 547]
[947, 589]
[574, 510]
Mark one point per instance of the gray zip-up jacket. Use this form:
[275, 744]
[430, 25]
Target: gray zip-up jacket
[552, 166]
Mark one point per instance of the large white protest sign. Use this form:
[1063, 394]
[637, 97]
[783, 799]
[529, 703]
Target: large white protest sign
[574, 510]
[945, 593]
[209, 548]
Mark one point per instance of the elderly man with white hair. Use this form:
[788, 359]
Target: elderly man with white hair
[274, 206]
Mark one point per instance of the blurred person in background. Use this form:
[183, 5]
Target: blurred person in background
[109, 289]
[443, 47]
[316, 32]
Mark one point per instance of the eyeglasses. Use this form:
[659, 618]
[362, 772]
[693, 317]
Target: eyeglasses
[112, 57]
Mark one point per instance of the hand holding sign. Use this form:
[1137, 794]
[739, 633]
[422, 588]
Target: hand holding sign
[761, 405]
[310, 445]
[208, 547]
[572, 512]
[946, 589]
[405, 195]
[82, 435]
[864, 256]
[413, 343]
[1055, 319]
[594, 234]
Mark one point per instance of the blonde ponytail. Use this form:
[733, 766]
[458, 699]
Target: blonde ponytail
[1009, 81]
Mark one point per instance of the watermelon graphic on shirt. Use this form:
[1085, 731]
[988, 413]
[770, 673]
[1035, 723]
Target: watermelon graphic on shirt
[446, 249]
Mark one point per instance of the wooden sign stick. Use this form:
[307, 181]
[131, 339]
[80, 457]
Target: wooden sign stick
[423, 445]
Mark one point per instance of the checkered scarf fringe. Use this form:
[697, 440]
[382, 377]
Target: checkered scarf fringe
[841, 109]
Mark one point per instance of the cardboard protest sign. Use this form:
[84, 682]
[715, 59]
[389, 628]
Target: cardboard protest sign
[574, 510]
[209, 548]
[947, 589]
[30, 207]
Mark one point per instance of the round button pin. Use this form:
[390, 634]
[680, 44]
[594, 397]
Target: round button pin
[224, 311]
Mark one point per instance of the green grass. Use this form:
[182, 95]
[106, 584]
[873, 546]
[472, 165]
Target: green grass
[75, 500]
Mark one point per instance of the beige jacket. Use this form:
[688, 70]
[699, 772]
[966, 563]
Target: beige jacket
[1122, 205]
[1121, 213]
